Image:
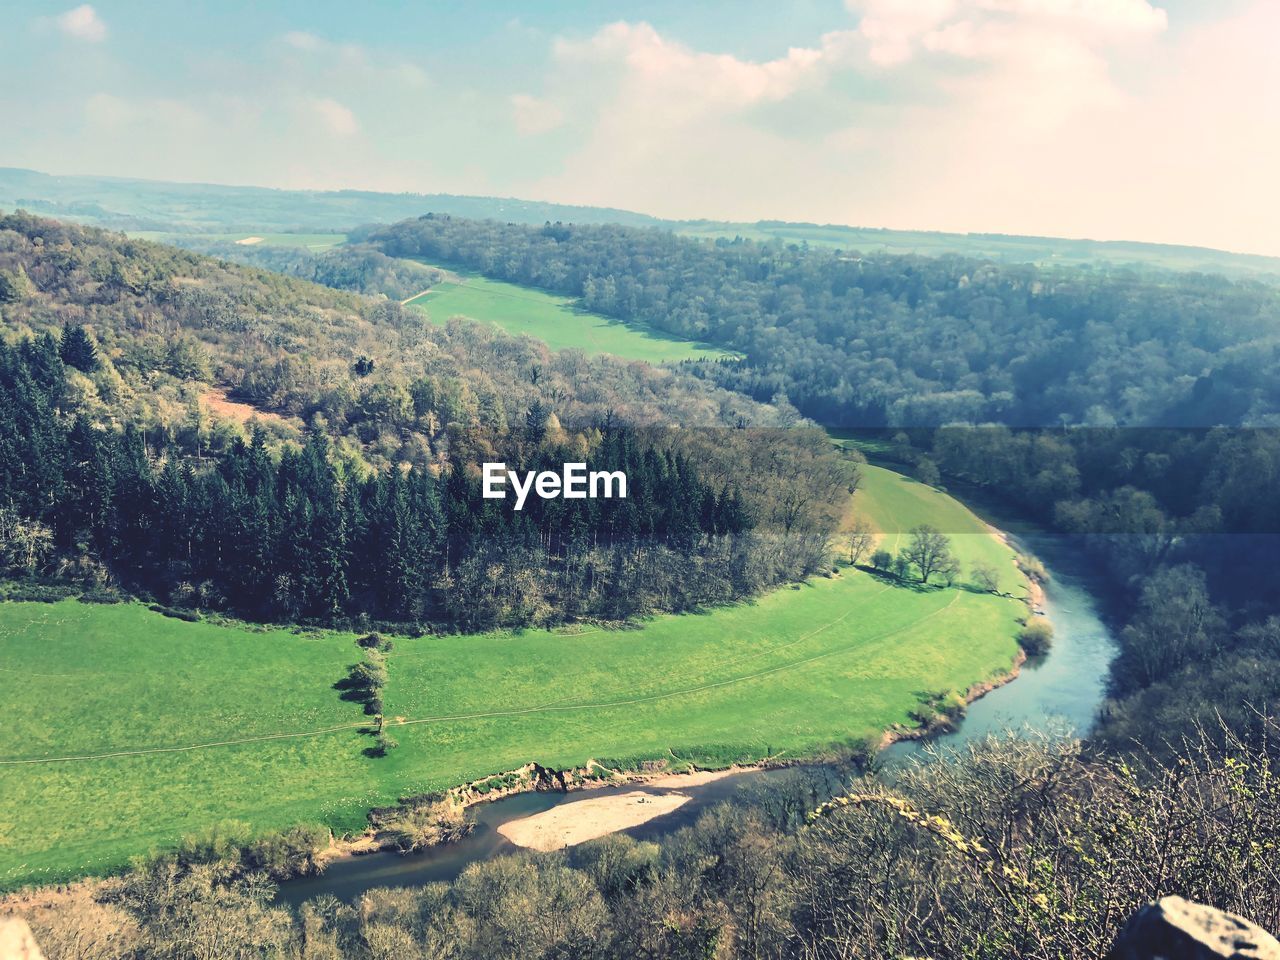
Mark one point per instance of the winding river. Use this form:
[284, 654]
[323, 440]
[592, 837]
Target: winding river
[1057, 694]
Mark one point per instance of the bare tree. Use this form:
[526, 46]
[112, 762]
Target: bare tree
[860, 540]
[927, 551]
[984, 578]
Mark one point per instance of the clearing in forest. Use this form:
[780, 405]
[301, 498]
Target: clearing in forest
[556, 321]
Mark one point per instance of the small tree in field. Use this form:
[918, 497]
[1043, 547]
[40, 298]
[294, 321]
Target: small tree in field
[882, 559]
[949, 570]
[901, 567]
[861, 539]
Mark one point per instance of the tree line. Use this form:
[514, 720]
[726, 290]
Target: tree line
[301, 535]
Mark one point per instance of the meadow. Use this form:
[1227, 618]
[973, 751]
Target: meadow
[893, 504]
[182, 725]
[554, 320]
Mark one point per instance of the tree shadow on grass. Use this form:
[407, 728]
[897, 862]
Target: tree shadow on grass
[893, 580]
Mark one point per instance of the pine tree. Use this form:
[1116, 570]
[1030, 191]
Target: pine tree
[77, 349]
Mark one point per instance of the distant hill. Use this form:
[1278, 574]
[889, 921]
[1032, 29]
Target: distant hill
[160, 209]
[153, 205]
[1000, 247]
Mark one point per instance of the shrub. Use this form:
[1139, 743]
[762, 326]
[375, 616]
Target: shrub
[188, 615]
[374, 641]
[1032, 567]
[1036, 637]
[34, 592]
[424, 824]
[291, 853]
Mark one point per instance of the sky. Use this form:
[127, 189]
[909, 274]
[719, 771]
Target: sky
[1109, 119]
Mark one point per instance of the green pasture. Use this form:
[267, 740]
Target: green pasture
[554, 320]
[893, 504]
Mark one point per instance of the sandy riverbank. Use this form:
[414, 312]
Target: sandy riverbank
[596, 816]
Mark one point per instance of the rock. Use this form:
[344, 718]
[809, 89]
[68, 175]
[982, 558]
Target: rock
[1177, 929]
[16, 941]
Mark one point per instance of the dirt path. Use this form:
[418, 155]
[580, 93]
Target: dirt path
[421, 293]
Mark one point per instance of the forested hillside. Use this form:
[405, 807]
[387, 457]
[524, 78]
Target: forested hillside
[854, 339]
[354, 267]
[356, 494]
[1182, 517]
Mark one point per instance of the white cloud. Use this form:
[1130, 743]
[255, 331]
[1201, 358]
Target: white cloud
[533, 115]
[899, 31]
[1062, 117]
[334, 117]
[83, 23]
[110, 111]
[892, 27]
[658, 68]
[302, 40]
[351, 61]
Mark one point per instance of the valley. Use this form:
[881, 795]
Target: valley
[137, 729]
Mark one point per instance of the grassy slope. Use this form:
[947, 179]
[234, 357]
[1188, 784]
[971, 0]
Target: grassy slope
[553, 320]
[828, 662]
[893, 504]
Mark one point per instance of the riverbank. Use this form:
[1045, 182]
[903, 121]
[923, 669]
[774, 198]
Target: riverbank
[590, 819]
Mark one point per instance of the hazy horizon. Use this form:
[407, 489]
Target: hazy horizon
[1101, 119]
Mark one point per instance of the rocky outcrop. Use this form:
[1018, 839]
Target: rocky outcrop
[16, 942]
[1176, 929]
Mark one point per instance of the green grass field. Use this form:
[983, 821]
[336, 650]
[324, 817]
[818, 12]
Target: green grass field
[893, 504]
[314, 242]
[553, 320]
[828, 662]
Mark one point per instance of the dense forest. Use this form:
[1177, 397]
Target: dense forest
[167, 324]
[869, 340]
[365, 503]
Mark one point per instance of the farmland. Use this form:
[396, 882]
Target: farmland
[213, 722]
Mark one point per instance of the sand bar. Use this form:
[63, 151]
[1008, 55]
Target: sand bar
[607, 812]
